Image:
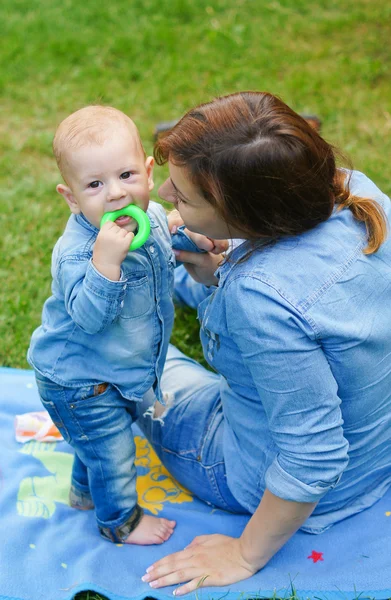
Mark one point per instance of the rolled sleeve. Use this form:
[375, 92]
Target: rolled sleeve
[293, 380]
[287, 487]
[91, 300]
[181, 241]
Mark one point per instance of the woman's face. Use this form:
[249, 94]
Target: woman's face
[197, 214]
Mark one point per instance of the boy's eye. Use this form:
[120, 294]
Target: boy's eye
[126, 175]
[95, 184]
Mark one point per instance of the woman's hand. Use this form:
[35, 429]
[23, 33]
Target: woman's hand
[200, 266]
[210, 560]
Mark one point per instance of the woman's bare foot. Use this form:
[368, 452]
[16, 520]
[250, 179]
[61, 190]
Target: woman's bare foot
[151, 530]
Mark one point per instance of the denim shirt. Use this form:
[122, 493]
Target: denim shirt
[97, 330]
[301, 333]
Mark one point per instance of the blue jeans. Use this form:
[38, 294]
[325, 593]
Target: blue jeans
[96, 421]
[188, 436]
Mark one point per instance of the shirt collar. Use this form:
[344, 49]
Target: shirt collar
[232, 258]
[240, 251]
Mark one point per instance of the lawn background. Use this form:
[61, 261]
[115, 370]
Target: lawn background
[154, 60]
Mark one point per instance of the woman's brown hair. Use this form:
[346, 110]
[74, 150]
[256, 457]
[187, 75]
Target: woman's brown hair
[264, 168]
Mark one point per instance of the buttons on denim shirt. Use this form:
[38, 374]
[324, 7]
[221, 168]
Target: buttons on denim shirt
[152, 249]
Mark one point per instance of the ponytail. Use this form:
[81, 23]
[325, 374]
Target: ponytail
[366, 210]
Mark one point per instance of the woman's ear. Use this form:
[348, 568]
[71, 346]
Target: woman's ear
[149, 164]
[67, 194]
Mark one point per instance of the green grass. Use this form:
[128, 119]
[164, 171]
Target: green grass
[154, 60]
[290, 594]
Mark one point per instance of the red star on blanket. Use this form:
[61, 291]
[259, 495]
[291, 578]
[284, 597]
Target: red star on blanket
[316, 556]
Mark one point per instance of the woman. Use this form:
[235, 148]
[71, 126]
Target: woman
[295, 426]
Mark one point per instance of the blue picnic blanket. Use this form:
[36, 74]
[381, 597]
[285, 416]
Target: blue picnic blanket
[49, 551]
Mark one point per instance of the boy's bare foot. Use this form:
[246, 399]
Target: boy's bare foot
[151, 530]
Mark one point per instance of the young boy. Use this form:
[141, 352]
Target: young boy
[105, 328]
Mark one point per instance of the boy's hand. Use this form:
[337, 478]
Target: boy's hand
[110, 250]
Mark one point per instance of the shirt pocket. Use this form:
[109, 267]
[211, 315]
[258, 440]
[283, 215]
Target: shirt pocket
[138, 300]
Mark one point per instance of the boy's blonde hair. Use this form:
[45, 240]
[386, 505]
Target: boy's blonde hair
[89, 125]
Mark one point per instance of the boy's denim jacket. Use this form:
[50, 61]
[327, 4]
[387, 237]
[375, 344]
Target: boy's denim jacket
[95, 330]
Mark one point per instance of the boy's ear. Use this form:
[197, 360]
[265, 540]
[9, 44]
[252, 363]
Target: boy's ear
[66, 192]
[149, 164]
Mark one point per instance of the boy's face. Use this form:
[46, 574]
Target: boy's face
[107, 177]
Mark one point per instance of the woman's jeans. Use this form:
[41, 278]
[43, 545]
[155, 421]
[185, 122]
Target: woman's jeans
[188, 435]
[96, 421]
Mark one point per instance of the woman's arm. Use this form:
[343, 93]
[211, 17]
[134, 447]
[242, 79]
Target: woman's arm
[288, 370]
[271, 526]
[216, 560]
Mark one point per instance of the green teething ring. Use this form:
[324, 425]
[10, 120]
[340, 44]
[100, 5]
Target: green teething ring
[144, 226]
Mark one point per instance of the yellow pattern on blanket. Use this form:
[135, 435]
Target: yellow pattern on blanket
[38, 495]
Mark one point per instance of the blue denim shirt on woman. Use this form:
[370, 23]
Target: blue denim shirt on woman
[95, 330]
[301, 334]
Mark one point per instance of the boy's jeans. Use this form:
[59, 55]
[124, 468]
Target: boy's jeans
[96, 421]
